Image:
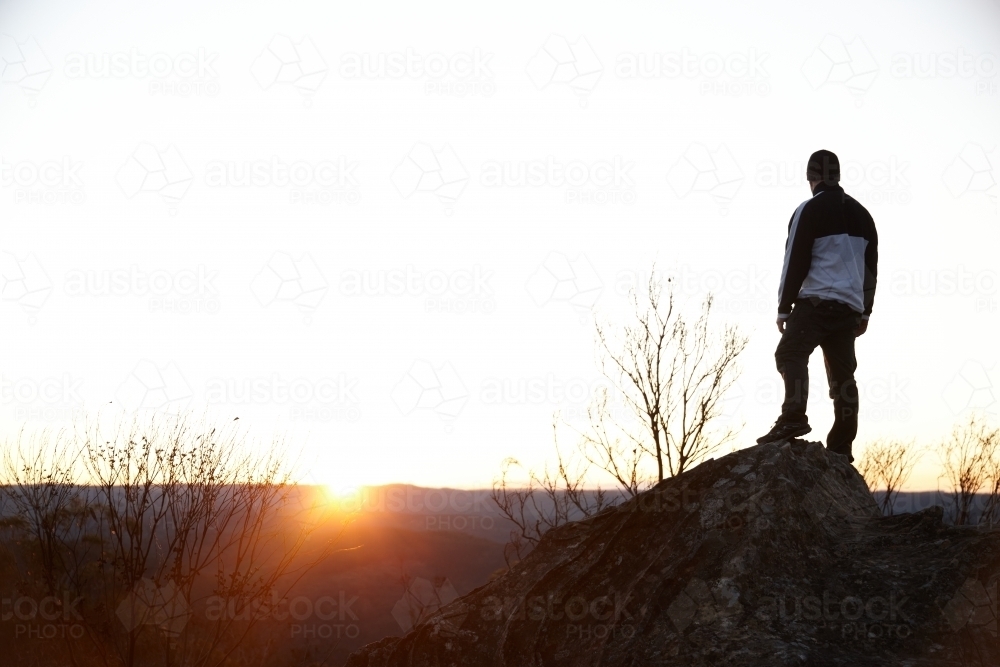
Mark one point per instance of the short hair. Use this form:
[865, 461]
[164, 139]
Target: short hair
[823, 165]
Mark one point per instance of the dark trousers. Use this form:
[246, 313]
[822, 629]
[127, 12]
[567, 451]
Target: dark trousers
[830, 325]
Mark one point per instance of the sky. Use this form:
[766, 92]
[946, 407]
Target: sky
[369, 229]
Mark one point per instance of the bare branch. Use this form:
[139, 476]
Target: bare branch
[969, 459]
[886, 465]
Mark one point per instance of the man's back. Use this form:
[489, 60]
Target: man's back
[831, 252]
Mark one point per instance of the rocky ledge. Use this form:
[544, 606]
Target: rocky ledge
[772, 555]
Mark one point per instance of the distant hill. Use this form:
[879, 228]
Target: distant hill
[406, 553]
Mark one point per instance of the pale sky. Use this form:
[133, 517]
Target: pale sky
[308, 214]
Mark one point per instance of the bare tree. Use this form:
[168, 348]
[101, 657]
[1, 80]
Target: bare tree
[544, 502]
[671, 374]
[155, 521]
[886, 465]
[46, 514]
[969, 457]
[41, 490]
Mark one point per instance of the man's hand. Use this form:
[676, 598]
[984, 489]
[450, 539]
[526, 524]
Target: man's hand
[781, 324]
[863, 327]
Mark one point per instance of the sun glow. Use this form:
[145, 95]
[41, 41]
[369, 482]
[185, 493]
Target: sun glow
[341, 491]
[334, 497]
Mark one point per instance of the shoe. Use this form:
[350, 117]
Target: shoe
[784, 431]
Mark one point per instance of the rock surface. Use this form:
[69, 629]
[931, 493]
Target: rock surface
[772, 555]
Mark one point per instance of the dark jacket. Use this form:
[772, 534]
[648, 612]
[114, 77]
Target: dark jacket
[831, 252]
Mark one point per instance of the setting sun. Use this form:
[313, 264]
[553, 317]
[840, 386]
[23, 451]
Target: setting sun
[521, 334]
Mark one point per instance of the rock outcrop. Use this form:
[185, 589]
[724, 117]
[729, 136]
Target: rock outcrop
[773, 555]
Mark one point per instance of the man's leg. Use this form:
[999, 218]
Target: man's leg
[802, 335]
[841, 362]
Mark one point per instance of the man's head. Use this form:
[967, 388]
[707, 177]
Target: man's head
[823, 167]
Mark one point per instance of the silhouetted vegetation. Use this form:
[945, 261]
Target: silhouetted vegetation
[660, 414]
[886, 466]
[173, 542]
[138, 528]
[971, 462]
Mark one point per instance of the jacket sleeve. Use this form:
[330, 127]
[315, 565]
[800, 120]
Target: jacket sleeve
[871, 267]
[798, 258]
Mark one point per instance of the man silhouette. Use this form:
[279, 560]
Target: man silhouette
[825, 297]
